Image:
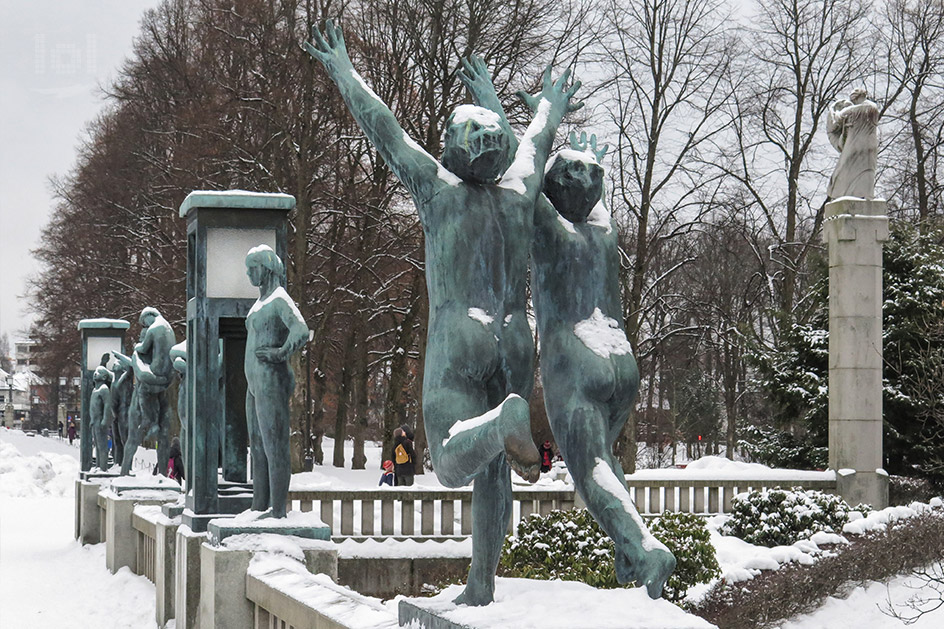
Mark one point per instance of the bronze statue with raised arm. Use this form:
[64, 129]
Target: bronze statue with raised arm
[476, 207]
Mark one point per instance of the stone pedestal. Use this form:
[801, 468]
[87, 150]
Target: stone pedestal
[187, 577]
[121, 538]
[520, 602]
[223, 602]
[296, 523]
[165, 582]
[854, 231]
[88, 522]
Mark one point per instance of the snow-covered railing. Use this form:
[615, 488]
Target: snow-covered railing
[286, 597]
[403, 512]
[653, 496]
[146, 546]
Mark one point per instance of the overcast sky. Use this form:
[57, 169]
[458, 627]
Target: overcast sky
[54, 55]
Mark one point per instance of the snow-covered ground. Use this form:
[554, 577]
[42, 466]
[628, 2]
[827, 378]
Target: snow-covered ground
[48, 580]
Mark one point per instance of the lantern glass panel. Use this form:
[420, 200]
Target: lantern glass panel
[226, 260]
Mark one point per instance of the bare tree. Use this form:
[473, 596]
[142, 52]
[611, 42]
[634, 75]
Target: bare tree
[663, 67]
[912, 43]
[800, 56]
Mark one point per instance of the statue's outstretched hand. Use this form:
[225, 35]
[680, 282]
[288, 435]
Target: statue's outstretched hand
[476, 78]
[329, 48]
[554, 92]
[585, 145]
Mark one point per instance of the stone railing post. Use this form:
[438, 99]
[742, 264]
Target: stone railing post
[854, 231]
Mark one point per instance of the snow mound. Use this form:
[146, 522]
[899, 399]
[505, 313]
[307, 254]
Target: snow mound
[43, 474]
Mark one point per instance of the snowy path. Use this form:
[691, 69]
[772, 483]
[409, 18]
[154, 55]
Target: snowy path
[47, 580]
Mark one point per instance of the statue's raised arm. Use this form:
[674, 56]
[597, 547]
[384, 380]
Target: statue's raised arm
[418, 170]
[527, 170]
[477, 80]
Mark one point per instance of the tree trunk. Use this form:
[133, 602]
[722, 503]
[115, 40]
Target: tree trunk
[361, 377]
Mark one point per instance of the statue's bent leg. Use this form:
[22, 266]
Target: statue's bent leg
[471, 444]
[582, 429]
[491, 511]
[260, 466]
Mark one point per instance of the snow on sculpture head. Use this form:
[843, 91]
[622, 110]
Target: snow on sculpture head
[573, 183]
[476, 147]
[261, 260]
[858, 95]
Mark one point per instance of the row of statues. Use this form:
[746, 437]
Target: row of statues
[130, 400]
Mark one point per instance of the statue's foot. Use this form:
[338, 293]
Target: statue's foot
[655, 569]
[522, 454]
[651, 569]
[474, 596]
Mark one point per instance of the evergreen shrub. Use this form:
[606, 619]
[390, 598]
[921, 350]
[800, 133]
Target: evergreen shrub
[571, 546]
[687, 536]
[779, 517]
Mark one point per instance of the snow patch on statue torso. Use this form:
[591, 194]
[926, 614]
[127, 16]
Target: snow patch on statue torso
[602, 335]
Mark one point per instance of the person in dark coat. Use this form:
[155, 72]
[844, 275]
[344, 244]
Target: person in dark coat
[175, 461]
[71, 432]
[547, 456]
[402, 456]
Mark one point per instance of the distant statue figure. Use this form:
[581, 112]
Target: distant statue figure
[587, 367]
[149, 414]
[119, 402]
[179, 355]
[98, 410]
[276, 330]
[476, 207]
[852, 127]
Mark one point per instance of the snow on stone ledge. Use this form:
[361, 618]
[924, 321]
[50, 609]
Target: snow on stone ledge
[720, 468]
[531, 604]
[393, 549]
[254, 519]
[320, 593]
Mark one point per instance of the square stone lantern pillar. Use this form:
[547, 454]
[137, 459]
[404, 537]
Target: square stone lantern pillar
[854, 231]
[100, 339]
[221, 229]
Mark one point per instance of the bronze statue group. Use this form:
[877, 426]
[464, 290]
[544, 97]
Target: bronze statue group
[491, 206]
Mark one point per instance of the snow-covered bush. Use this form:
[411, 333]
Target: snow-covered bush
[779, 517]
[687, 536]
[567, 545]
[571, 546]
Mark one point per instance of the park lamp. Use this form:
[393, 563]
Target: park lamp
[222, 226]
[101, 338]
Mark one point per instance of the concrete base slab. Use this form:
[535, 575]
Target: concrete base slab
[165, 580]
[387, 577]
[121, 538]
[561, 605]
[88, 523]
[187, 577]
[97, 473]
[296, 523]
[863, 487]
[223, 602]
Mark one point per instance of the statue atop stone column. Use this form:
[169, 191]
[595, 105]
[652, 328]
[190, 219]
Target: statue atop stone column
[476, 207]
[275, 330]
[98, 410]
[119, 402]
[852, 127]
[587, 367]
[149, 414]
[178, 354]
